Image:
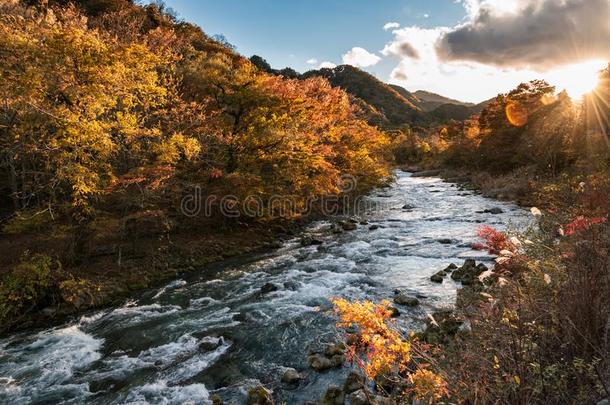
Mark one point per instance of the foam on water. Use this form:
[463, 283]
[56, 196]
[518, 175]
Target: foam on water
[171, 286]
[216, 332]
[160, 392]
[51, 360]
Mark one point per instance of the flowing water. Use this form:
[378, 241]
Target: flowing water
[213, 332]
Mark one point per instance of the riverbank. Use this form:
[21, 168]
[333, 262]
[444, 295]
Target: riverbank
[533, 328]
[516, 187]
[110, 276]
[118, 265]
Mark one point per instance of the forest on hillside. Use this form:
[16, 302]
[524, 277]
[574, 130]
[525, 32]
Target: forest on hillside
[113, 112]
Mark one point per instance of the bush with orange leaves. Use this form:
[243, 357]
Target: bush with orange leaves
[380, 350]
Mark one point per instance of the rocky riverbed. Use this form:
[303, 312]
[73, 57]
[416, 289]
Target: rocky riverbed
[230, 329]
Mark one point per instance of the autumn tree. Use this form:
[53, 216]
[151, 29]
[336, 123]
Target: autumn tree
[505, 120]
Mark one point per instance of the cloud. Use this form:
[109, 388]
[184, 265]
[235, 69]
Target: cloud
[360, 57]
[399, 75]
[312, 61]
[468, 81]
[426, 15]
[327, 65]
[401, 48]
[529, 34]
[390, 25]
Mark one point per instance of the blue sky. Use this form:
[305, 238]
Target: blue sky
[466, 49]
[290, 32]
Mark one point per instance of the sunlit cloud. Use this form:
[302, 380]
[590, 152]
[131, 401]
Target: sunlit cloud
[360, 57]
[530, 34]
[464, 62]
[327, 65]
[312, 61]
[391, 25]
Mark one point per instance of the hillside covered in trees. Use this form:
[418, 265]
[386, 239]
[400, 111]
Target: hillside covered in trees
[114, 112]
[385, 105]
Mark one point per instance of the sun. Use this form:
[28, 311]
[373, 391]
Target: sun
[578, 79]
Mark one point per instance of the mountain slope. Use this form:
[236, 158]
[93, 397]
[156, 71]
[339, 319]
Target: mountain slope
[429, 101]
[407, 94]
[396, 108]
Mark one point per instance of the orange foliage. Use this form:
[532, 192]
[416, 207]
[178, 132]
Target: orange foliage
[383, 347]
[380, 349]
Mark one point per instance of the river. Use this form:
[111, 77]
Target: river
[213, 332]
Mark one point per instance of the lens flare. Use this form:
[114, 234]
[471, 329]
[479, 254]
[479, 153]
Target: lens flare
[516, 114]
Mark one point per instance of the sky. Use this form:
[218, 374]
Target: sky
[469, 50]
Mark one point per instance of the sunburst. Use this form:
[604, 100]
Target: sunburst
[577, 79]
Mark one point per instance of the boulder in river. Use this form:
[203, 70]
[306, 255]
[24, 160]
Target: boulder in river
[292, 285]
[349, 226]
[319, 362]
[353, 382]
[337, 360]
[210, 343]
[360, 398]
[482, 267]
[445, 241]
[468, 274]
[494, 211]
[333, 396]
[373, 227]
[309, 240]
[291, 376]
[259, 396]
[404, 299]
[450, 268]
[438, 277]
[408, 207]
[335, 349]
[268, 287]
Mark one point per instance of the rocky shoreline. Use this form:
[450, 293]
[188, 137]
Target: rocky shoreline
[441, 326]
[116, 283]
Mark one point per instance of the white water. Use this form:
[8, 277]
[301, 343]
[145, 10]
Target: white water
[213, 333]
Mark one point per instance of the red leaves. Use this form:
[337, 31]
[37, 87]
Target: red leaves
[479, 246]
[580, 224]
[495, 241]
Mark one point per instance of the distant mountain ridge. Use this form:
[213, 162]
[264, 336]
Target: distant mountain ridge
[382, 104]
[397, 109]
[429, 101]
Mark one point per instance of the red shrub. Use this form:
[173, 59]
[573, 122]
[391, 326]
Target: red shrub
[495, 241]
[580, 224]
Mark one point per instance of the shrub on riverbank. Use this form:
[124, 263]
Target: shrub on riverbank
[29, 285]
[398, 365]
[541, 334]
[537, 328]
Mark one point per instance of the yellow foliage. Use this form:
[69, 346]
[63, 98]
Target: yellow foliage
[381, 350]
[428, 385]
[384, 348]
